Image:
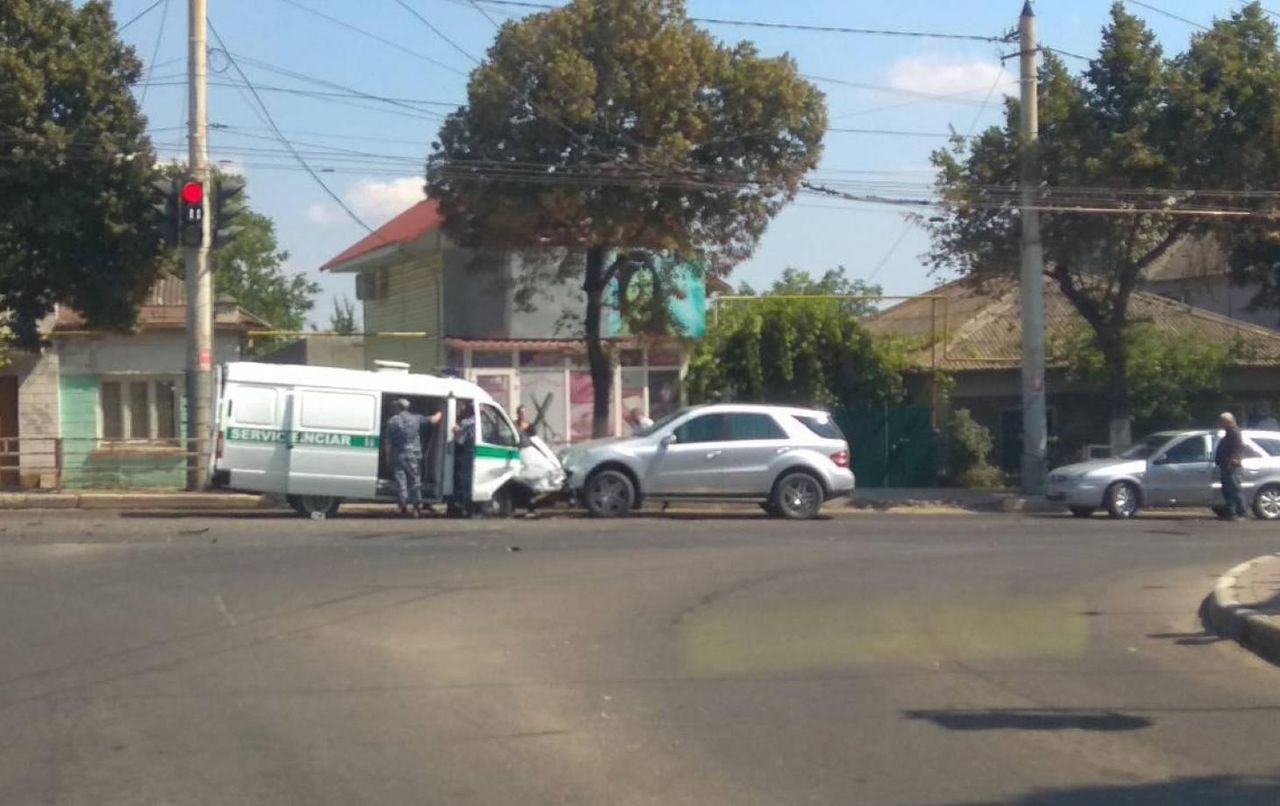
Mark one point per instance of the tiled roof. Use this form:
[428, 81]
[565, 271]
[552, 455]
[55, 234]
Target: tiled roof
[419, 220]
[977, 329]
[165, 307]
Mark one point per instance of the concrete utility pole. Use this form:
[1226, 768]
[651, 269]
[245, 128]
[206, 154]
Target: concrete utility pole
[1034, 437]
[199, 279]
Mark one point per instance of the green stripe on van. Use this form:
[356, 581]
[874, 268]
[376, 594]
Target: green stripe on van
[495, 452]
[318, 438]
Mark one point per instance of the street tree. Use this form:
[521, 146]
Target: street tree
[1132, 122]
[834, 282]
[77, 222]
[617, 127]
[343, 319]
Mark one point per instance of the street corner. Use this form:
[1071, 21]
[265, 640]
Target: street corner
[1244, 606]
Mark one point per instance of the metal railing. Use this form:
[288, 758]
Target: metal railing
[91, 462]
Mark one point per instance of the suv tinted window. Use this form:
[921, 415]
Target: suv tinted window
[707, 428]
[824, 427]
[754, 426]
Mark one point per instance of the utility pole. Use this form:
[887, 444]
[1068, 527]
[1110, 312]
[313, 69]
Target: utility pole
[1034, 437]
[199, 280]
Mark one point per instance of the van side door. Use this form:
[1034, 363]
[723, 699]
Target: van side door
[334, 442]
[253, 439]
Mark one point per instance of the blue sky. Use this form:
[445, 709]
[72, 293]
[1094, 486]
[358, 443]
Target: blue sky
[273, 39]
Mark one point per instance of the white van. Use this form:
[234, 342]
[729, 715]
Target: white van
[314, 434]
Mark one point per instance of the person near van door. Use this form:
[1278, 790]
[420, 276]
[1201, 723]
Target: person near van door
[1227, 457]
[406, 433]
[464, 456]
[522, 422]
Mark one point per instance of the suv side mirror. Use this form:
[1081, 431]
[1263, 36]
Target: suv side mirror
[669, 439]
[1162, 459]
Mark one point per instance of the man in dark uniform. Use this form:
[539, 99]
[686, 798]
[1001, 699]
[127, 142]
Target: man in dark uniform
[406, 433]
[464, 456]
[1228, 457]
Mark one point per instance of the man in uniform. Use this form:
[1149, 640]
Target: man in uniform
[406, 433]
[464, 457]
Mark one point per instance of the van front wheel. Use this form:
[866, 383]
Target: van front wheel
[313, 506]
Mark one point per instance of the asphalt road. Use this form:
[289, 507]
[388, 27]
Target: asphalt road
[878, 658]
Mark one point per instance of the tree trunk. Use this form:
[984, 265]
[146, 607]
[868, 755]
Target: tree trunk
[1119, 412]
[597, 360]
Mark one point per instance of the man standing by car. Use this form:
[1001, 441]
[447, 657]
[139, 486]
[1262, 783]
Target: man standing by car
[464, 457]
[406, 434]
[1227, 457]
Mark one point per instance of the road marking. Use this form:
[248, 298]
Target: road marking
[222, 608]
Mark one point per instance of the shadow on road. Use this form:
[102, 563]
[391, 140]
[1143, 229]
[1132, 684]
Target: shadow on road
[1030, 719]
[1211, 789]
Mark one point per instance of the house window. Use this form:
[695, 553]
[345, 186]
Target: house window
[139, 409]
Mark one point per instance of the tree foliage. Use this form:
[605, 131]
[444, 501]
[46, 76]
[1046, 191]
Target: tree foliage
[343, 319]
[1132, 121]
[969, 446]
[607, 126]
[1175, 379]
[795, 351]
[77, 225]
[833, 282]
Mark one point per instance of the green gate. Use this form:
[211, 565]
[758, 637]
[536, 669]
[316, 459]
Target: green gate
[892, 446]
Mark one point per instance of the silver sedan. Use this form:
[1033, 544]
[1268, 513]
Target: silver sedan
[1170, 469]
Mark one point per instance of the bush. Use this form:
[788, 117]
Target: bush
[970, 445]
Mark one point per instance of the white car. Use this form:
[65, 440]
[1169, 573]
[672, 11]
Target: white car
[787, 459]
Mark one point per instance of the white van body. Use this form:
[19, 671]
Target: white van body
[315, 433]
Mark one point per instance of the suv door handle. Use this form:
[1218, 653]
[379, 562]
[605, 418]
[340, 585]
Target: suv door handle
[713, 454]
[781, 451]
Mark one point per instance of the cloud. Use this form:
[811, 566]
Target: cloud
[940, 75]
[382, 200]
[323, 214]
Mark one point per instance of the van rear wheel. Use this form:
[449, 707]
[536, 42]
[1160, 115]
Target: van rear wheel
[308, 506]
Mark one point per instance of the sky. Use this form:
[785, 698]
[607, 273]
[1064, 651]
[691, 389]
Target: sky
[370, 154]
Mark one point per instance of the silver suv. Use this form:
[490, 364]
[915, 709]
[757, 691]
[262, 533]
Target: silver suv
[789, 460]
[1170, 469]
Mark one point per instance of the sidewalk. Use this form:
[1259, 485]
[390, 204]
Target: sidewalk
[951, 498]
[1245, 606]
[132, 499]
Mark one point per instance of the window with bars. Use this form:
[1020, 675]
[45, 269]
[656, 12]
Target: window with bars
[139, 410]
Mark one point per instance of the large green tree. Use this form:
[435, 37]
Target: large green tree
[833, 283]
[609, 126]
[76, 219]
[796, 351]
[1132, 122]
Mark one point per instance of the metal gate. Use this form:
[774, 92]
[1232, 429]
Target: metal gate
[892, 446]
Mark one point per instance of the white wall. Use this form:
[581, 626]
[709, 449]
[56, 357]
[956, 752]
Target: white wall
[154, 353]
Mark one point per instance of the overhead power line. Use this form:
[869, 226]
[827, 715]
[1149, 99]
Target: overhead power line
[375, 37]
[155, 53]
[1168, 14]
[826, 29]
[285, 140]
[436, 30]
[144, 12]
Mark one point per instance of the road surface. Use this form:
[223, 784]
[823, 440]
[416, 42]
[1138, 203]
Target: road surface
[878, 658]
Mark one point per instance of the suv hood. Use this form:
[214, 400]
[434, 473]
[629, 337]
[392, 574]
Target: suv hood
[1116, 466]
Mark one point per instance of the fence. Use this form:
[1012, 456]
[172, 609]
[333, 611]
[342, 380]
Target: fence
[892, 446]
[90, 463]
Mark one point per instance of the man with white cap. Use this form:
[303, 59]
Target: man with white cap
[1228, 457]
[406, 433]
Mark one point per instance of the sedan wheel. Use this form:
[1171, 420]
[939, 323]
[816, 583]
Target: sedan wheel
[798, 496]
[1266, 504]
[1122, 500]
[609, 494]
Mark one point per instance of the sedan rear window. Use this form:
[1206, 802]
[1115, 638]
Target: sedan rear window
[823, 426]
[1271, 446]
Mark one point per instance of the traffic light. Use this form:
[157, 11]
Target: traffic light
[166, 207]
[191, 216]
[225, 213]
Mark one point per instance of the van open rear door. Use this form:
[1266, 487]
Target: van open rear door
[334, 443]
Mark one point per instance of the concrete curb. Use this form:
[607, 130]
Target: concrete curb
[134, 500]
[1225, 615]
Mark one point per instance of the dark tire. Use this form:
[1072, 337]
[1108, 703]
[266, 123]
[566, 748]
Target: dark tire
[1081, 512]
[797, 496]
[502, 505]
[1122, 500]
[1266, 502]
[308, 505]
[609, 494]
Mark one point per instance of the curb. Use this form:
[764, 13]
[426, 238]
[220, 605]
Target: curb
[133, 500]
[1225, 615]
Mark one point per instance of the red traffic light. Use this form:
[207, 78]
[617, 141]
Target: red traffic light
[192, 193]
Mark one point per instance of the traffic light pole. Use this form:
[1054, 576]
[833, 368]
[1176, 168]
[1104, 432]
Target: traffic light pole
[199, 279]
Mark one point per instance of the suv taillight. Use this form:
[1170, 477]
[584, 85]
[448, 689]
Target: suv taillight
[841, 458]
[218, 453]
